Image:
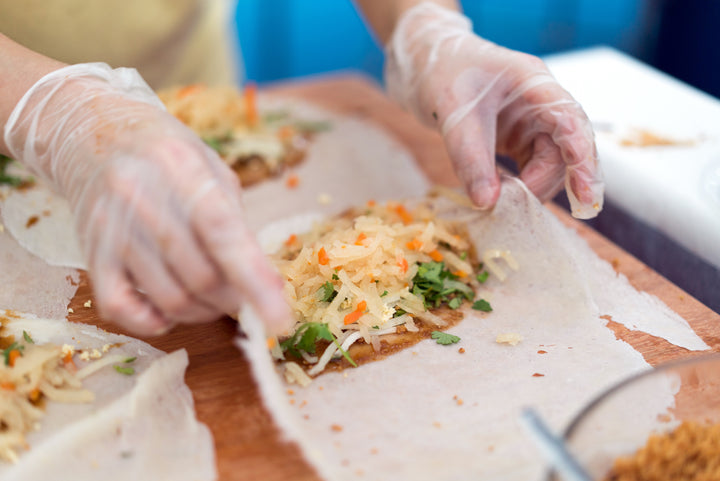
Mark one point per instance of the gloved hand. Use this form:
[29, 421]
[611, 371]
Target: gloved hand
[487, 99]
[158, 213]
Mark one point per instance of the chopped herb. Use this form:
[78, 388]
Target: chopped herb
[305, 337]
[128, 371]
[130, 359]
[399, 312]
[7, 179]
[435, 284]
[376, 327]
[483, 276]
[482, 305]
[327, 292]
[454, 303]
[335, 277]
[312, 126]
[463, 256]
[385, 293]
[214, 143]
[444, 338]
[27, 338]
[12, 347]
[275, 116]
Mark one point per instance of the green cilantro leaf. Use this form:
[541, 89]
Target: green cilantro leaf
[454, 303]
[385, 293]
[27, 338]
[305, 338]
[8, 179]
[327, 292]
[335, 277]
[444, 338]
[128, 371]
[483, 276]
[482, 305]
[12, 347]
[130, 359]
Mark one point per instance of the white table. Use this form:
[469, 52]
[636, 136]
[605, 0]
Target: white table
[674, 189]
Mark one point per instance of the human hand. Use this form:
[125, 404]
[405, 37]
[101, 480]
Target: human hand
[487, 99]
[158, 213]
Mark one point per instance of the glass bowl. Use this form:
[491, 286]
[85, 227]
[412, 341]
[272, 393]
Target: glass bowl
[620, 421]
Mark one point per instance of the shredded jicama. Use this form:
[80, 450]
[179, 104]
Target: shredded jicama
[29, 374]
[355, 274]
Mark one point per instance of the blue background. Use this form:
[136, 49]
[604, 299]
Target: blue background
[283, 39]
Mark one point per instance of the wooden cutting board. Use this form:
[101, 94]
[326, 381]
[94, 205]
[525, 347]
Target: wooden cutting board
[247, 444]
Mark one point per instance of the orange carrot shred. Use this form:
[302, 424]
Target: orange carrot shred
[12, 357]
[251, 104]
[435, 255]
[356, 314]
[290, 240]
[460, 274]
[270, 342]
[415, 244]
[286, 132]
[371, 203]
[292, 181]
[188, 90]
[360, 238]
[402, 262]
[323, 258]
[35, 394]
[404, 214]
[7, 385]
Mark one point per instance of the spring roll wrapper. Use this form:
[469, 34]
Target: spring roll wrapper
[430, 412]
[140, 426]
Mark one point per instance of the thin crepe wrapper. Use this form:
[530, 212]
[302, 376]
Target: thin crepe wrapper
[430, 412]
[140, 426]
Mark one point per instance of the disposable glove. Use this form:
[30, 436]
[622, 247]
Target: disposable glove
[486, 99]
[158, 213]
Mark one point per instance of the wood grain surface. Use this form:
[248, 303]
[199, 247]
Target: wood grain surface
[248, 445]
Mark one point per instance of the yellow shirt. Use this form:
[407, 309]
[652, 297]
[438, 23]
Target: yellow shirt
[170, 42]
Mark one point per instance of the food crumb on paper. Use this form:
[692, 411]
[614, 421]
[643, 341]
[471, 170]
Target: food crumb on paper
[88, 303]
[511, 338]
[537, 374]
[461, 350]
[336, 427]
[324, 199]
[542, 351]
[292, 181]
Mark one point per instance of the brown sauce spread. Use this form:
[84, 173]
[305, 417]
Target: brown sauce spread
[363, 353]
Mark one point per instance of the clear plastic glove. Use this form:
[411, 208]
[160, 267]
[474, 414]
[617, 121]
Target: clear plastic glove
[487, 99]
[158, 213]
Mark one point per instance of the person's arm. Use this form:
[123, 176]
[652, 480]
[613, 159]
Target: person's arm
[486, 99]
[20, 68]
[383, 15]
[158, 214]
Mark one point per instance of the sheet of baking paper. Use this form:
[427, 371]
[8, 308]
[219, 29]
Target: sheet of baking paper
[346, 165]
[139, 427]
[29, 284]
[431, 412]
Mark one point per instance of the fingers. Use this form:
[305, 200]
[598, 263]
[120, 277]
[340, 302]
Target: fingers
[119, 301]
[544, 174]
[471, 146]
[232, 247]
[540, 108]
